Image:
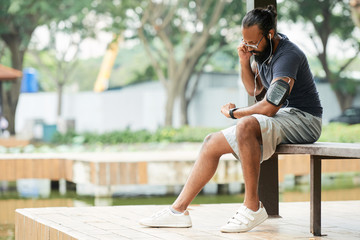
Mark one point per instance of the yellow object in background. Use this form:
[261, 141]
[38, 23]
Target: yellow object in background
[102, 80]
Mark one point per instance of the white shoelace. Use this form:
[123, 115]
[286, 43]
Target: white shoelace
[242, 216]
[159, 213]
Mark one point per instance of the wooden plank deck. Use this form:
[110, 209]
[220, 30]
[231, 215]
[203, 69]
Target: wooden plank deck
[341, 220]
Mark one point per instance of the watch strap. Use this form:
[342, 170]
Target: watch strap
[231, 112]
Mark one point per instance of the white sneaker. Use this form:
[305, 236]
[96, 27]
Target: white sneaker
[166, 218]
[245, 219]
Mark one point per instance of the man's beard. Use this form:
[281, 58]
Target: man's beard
[261, 57]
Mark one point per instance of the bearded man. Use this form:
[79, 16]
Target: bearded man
[290, 112]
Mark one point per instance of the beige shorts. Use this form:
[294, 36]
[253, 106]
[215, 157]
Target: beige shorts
[289, 125]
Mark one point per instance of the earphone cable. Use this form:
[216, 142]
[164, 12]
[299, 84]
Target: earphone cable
[258, 73]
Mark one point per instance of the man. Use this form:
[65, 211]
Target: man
[289, 113]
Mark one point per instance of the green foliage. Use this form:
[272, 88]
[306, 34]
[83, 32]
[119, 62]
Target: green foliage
[136, 70]
[85, 75]
[115, 12]
[173, 32]
[333, 132]
[225, 60]
[23, 16]
[166, 200]
[340, 132]
[18, 20]
[184, 134]
[323, 20]
[327, 17]
[345, 85]
[143, 76]
[64, 138]
[5, 57]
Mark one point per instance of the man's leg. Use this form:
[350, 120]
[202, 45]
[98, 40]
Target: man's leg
[250, 214]
[249, 140]
[214, 146]
[205, 166]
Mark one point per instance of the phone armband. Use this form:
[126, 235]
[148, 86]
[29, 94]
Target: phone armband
[278, 92]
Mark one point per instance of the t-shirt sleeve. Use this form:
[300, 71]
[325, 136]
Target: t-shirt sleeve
[287, 65]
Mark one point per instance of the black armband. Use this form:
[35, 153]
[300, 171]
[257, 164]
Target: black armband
[278, 92]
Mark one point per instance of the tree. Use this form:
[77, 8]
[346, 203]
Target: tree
[59, 58]
[327, 19]
[18, 20]
[115, 13]
[180, 37]
[2, 50]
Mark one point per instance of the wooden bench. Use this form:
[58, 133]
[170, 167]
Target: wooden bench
[13, 142]
[269, 181]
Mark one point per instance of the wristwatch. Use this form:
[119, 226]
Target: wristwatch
[231, 112]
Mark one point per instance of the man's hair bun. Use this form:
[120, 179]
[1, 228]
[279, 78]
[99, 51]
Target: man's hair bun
[265, 18]
[272, 10]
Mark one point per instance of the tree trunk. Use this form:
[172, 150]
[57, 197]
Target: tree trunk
[178, 72]
[184, 117]
[169, 106]
[12, 91]
[345, 100]
[59, 91]
[61, 126]
[182, 91]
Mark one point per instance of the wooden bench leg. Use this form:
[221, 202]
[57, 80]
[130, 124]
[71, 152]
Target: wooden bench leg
[315, 195]
[269, 186]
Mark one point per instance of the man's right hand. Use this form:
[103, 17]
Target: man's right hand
[244, 54]
[226, 108]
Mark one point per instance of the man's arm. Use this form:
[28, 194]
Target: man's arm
[263, 107]
[248, 72]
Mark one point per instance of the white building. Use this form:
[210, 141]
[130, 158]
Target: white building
[142, 106]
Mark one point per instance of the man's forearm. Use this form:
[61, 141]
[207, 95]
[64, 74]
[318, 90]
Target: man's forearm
[247, 77]
[262, 107]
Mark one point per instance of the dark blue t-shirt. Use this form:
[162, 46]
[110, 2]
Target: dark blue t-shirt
[289, 61]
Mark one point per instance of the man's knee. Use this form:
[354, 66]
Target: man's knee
[215, 144]
[248, 127]
[209, 139]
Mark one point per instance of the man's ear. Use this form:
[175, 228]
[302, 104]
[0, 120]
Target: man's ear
[271, 34]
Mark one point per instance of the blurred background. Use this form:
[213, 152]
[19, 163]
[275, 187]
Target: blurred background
[151, 75]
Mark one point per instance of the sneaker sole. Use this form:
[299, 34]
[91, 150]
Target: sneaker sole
[243, 230]
[166, 226]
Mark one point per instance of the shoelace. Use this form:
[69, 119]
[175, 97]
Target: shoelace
[158, 214]
[241, 216]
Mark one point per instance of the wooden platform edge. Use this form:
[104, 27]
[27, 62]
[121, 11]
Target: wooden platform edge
[29, 227]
